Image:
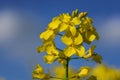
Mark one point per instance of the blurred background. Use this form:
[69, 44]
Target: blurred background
[21, 22]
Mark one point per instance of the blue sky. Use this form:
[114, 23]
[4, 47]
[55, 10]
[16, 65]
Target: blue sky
[21, 22]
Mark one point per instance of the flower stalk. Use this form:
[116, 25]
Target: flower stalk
[67, 68]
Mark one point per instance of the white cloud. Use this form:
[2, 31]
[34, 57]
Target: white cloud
[15, 33]
[19, 37]
[9, 26]
[110, 30]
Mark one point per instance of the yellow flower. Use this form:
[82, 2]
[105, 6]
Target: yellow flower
[55, 23]
[52, 52]
[46, 34]
[73, 45]
[50, 48]
[38, 72]
[69, 23]
[69, 51]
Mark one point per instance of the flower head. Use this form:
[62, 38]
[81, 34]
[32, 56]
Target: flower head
[76, 29]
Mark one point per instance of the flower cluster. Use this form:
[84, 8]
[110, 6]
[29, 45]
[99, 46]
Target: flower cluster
[74, 29]
[77, 29]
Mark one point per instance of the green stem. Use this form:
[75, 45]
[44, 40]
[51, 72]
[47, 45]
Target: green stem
[67, 68]
[76, 58]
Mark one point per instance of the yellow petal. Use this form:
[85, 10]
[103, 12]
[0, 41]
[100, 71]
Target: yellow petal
[49, 59]
[67, 40]
[84, 71]
[54, 24]
[87, 55]
[47, 34]
[42, 35]
[63, 26]
[78, 39]
[72, 30]
[75, 21]
[69, 51]
[80, 51]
